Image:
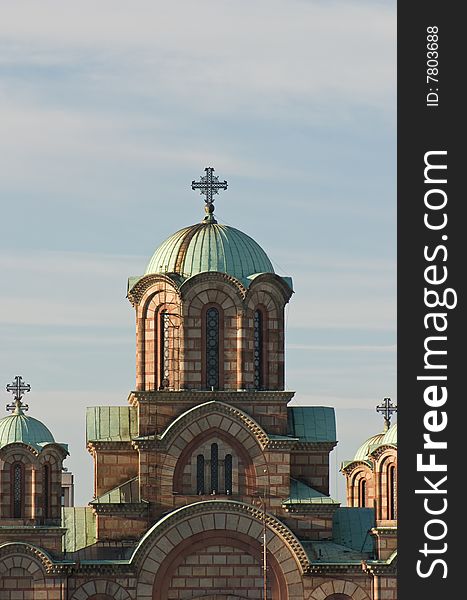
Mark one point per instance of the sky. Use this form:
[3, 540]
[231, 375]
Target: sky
[108, 111]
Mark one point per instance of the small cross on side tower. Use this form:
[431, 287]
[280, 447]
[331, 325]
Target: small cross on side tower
[18, 388]
[386, 409]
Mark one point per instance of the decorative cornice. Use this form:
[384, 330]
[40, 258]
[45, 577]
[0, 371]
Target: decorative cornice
[33, 450]
[26, 549]
[380, 450]
[211, 407]
[94, 445]
[209, 276]
[326, 509]
[355, 464]
[337, 568]
[42, 529]
[273, 444]
[285, 290]
[384, 531]
[314, 446]
[137, 397]
[137, 292]
[377, 567]
[119, 508]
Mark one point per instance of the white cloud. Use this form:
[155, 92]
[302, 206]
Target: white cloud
[302, 49]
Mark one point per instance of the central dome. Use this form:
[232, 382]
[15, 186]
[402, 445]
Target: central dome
[210, 246]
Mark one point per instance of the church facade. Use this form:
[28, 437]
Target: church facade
[207, 483]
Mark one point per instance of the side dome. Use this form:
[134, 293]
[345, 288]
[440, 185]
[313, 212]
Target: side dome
[210, 246]
[26, 430]
[366, 448]
[390, 437]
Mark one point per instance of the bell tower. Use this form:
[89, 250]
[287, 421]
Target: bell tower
[209, 310]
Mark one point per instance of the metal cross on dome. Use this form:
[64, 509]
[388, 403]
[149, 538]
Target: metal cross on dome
[18, 388]
[209, 185]
[386, 409]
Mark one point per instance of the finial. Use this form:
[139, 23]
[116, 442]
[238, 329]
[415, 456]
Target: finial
[386, 409]
[18, 389]
[209, 185]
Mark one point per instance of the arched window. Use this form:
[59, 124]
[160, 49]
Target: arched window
[200, 474]
[17, 490]
[214, 468]
[362, 493]
[212, 348]
[164, 349]
[392, 492]
[228, 473]
[46, 491]
[258, 350]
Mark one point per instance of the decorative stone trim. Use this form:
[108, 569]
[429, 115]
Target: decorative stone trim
[325, 568]
[137, 397]
[380, 450]
[118, 508]
[381, 567]
[95, 445]
[306, 509]
[15, 446]
[31, 558]
[350, 468]
[213, 507]
[193, 281]
[272, 444]
[285, 290]
[384, 531]
[311, 446]
[137, 292]
[101, 586]
[338, 586]
[174, 429]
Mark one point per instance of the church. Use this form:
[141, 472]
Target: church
[207, 483]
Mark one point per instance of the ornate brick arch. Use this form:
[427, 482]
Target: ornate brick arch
[338, 589]
[211, 411]
[30, 558]
[274, 285]
[101, 589]
[196, 526]
[213, 282]
[215, 420]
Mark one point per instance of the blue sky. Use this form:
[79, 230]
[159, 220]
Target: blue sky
[107, 112]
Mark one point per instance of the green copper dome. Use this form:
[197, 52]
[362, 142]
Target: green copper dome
[210, 246]
[390, 437]
[367, 447]
[19, 427]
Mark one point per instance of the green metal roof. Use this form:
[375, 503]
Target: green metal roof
[210, 246]
[351, 527]
[390, 437]
[126, 493]
[312, 423]
[330, 552]
[301, 493]
[27, 430]
[368, 446]
[80, 524]
[111, 423]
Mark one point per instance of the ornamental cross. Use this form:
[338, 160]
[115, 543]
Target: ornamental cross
[208, 186]
[18, 388]
[386, 409]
